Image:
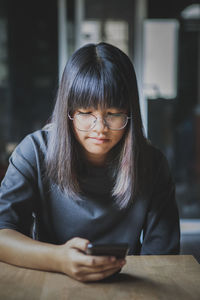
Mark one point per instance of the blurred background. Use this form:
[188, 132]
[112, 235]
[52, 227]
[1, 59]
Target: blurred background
[162, 38]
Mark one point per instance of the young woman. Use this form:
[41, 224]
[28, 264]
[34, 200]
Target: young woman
[90, 176]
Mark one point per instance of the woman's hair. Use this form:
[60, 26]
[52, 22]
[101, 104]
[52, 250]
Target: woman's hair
[97, 75]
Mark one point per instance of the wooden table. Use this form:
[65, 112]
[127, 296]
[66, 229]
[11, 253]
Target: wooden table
[143, 277]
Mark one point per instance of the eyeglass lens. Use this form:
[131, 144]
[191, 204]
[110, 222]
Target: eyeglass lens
[88, 121]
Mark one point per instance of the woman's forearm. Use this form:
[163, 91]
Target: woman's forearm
[20, 250]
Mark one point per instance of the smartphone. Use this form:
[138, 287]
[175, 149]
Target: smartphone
[118, 250]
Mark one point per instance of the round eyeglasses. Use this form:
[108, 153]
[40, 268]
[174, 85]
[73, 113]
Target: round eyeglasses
[87, 121]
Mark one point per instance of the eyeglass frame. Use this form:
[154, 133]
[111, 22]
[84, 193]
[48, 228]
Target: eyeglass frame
[104, 121]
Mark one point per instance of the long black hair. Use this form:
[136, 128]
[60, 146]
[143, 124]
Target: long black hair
[97, 75]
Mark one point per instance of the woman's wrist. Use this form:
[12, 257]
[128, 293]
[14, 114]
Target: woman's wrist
[58, 258]
[54, 258]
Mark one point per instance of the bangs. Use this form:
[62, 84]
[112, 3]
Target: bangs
[96, 88]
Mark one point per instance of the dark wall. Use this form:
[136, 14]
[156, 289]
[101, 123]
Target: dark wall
[32, 47]
[115, 9]
[167, 9]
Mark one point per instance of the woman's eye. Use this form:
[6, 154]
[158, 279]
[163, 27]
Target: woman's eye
[84, 112]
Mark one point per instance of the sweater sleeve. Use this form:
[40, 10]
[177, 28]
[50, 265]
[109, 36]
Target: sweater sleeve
[161, 232]
[18, 190]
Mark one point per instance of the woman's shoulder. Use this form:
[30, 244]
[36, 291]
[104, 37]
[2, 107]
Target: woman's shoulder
[37, 139]
[32, 146]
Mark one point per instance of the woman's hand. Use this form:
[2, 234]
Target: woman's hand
[83, 267]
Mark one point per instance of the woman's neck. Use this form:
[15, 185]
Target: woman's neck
[98, 161]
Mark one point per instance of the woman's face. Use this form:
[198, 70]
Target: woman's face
[99, 140]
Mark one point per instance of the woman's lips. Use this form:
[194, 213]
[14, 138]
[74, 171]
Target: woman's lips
[99, 140]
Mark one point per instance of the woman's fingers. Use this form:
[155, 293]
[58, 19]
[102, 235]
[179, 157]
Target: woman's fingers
[97, 276]
[85, 267]
[95, 264]
[106, 267]
[93, 261]
[78, 243]
[84, 259]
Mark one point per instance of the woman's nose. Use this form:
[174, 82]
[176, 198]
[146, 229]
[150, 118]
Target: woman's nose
[100, 125]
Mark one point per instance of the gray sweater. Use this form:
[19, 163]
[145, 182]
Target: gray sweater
[150, 224]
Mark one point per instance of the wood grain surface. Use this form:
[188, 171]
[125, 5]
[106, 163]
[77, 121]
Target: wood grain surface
[143, 277]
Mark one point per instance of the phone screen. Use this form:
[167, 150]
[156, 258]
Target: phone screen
[119, 250]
